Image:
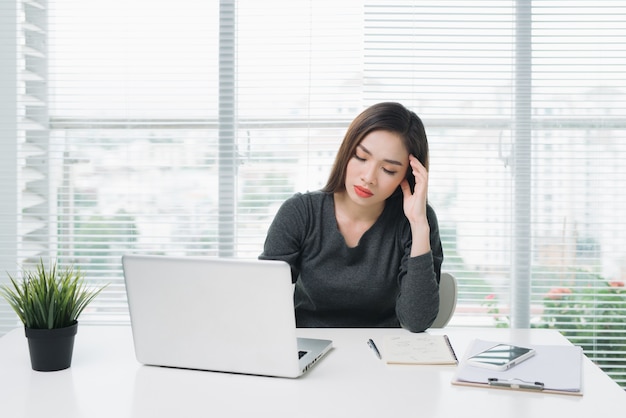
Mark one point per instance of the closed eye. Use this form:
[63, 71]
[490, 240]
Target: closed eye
[385, 170]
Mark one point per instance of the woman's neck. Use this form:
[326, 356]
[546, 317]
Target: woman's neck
[349, 210]
[354, 220]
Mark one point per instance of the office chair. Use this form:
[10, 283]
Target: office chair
[447, 300]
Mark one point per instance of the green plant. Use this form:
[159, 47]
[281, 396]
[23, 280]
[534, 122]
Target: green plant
[592, 315]
[491, 303]
[47, 299]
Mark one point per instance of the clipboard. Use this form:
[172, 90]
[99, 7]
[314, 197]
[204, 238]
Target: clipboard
[553, 369]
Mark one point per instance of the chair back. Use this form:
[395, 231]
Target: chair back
[447, 300]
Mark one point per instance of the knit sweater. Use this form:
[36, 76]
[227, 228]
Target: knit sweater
[375, 284]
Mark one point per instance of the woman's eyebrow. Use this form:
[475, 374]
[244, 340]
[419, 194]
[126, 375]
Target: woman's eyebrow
[394, 162]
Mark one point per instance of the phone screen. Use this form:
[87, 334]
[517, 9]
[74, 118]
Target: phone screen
[502, 355]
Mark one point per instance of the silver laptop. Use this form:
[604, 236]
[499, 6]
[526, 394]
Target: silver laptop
[217, 314]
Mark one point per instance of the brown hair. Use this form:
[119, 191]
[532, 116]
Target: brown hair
[387, 116]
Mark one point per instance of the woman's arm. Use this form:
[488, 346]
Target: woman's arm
[284, 236]
[417, 304]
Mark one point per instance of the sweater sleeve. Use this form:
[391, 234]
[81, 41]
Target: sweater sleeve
[418, 300]
[285, 235]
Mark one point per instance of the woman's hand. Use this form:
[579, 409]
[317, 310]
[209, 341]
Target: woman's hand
[415, 207]
[415, 203]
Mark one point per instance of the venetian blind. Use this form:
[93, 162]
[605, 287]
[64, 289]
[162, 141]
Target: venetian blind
[179, 127]
[524, 103]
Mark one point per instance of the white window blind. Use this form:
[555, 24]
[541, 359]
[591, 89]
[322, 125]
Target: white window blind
[524, 103]
[178, 128]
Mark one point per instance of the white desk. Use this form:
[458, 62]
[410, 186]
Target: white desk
[105, 380]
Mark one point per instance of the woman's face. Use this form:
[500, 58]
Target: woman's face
[377, 168]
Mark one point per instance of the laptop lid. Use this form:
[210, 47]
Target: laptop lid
[215, 314]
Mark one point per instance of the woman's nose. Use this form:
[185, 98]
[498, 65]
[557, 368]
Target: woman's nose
[368, 175]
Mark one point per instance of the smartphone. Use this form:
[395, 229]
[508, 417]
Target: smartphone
[501, 356]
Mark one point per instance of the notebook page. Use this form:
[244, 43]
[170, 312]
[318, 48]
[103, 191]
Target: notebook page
[418, 349]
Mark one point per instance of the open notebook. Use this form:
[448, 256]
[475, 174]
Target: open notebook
[422, 348]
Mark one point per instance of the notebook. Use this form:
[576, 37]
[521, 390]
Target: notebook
[419, 348]
[216, 314]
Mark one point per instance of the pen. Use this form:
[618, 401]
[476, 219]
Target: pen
[515, 384]
[372, 345]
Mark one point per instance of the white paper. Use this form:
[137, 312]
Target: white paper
[418, 349]
[558, 367]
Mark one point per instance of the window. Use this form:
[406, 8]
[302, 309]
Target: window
[180, 128]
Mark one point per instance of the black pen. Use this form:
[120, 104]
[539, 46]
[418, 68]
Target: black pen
[515, 384]
[372, 345]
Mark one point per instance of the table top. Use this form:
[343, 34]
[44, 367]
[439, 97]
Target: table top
[105, 380]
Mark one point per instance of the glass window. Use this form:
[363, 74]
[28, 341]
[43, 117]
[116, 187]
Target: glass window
[179, 128]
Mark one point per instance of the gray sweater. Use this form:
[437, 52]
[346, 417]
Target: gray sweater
[375, 284]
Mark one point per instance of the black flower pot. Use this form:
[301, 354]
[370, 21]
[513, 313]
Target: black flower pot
[51, 349]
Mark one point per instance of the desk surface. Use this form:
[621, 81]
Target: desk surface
[105, 380]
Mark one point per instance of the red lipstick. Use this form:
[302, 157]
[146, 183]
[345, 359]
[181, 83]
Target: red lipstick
[363, 192]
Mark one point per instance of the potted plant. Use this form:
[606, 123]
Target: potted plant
[48, 302]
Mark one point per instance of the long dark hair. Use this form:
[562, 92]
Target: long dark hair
[387, 116]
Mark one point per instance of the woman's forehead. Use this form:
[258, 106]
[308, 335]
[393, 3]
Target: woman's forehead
[385, 145]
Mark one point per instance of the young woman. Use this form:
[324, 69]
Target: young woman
[365, 250]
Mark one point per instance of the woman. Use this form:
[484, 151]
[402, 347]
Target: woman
[365, 250]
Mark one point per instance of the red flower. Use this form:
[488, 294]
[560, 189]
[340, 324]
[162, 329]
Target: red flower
[557, 293]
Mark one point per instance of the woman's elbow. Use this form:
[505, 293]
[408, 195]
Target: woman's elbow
[421, 322]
